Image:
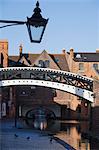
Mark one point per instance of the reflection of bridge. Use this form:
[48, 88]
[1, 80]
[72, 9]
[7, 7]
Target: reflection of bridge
[62, 80]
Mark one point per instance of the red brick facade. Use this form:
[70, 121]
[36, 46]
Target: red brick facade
[67, 105]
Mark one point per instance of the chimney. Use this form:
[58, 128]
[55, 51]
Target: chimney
[20, 49]
[4, 52]
[97, 50]
[63, 51]
[72, 52]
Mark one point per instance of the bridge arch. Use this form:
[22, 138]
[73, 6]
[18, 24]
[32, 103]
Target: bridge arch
[40, 115]
[57, 79]
[43, 111]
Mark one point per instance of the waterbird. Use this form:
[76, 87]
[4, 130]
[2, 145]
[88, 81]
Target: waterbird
[51, 140]
[15, 135]
[28, 138]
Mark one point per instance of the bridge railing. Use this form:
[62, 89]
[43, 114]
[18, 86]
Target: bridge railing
[47, 75]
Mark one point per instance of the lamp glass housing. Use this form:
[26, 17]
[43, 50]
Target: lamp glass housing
[36, 31]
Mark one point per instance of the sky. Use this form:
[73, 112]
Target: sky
[72, 23]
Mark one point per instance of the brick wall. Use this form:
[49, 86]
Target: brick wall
[95, 108]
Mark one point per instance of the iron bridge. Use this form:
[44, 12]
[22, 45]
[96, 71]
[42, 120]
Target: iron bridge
[66, 81]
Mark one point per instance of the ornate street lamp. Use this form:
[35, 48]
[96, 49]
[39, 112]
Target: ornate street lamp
[36, 25]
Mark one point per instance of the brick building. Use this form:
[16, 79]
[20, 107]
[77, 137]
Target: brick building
[63, 105]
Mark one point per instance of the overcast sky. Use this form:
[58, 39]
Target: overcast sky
[72, 23]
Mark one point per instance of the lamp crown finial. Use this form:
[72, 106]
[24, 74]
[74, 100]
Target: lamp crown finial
[37, 4]
[37, 11]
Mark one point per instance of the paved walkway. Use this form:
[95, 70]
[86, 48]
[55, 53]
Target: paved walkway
[12, 138]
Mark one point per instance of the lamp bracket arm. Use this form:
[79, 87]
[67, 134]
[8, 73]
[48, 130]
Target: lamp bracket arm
[14, 24]
[10, 21]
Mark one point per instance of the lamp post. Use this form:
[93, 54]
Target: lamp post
[36, 24]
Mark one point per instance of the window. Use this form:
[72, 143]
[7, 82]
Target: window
[54, 92]
[81, 66]
[41, 63]
[44, 64]
[56, 60]
[96, 66]
[47, 62]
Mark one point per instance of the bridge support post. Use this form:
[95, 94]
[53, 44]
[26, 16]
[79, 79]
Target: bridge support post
[90, 117]
[15, 121]
[16, 115]
[16, 108]
[0, 103]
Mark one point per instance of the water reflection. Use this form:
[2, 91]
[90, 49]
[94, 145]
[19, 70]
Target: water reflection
[72, 132]
[40, 124]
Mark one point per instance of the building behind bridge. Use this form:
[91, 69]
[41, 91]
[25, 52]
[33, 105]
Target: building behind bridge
[64, 105]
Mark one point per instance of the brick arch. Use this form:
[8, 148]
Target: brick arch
[43, 110]
[39, 114]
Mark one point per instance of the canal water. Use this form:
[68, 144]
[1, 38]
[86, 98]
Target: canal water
[72, 132]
